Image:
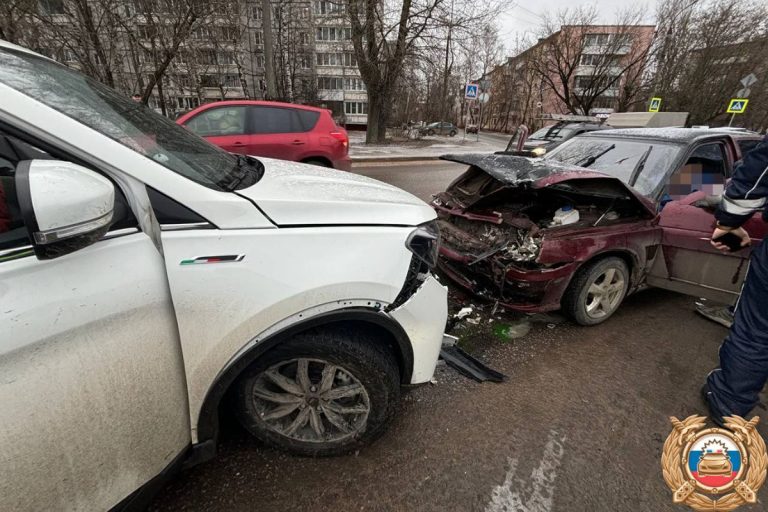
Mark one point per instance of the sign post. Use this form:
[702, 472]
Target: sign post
[655, 105]
[737, 106]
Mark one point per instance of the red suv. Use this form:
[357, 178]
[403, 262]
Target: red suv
[274, 130]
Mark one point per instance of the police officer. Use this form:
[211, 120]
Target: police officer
[734, 387]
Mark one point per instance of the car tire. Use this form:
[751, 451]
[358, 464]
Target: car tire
[453, 133]
[319, 163]
[596, 291]
[430, 132]
[361, 364]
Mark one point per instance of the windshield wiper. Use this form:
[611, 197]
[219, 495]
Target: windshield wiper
[592, 159]
[639, 166]
[247, 171]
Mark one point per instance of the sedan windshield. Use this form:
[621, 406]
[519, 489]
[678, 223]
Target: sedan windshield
[551, 133]
[642, 164]
[130, 123]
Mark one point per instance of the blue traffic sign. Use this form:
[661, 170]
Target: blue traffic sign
[471, 91]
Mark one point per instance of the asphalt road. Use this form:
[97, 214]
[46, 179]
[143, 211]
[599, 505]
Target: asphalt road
[421, 178]
[578, 426]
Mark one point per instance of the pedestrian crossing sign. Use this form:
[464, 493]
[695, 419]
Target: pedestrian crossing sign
[471, 91]
[737, 106]
[655, 105]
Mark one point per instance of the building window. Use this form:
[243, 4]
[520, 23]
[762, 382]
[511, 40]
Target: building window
[230, 80]
[52, 6]
[230, 33]
[330, 83]
[256, 12]
[325, 7]
[337, 59]
[69, 55]
[584, 82]
[146, 31]
[304, 37]
[354, 84]
[209, 81]
[226, 57]
[305, 62]
[356, 108]
[187, 102]
[259, 60]
[183, 81]
[257, 38]
[597, 39]
[334, 34]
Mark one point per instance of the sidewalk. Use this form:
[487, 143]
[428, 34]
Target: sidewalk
[427, 148]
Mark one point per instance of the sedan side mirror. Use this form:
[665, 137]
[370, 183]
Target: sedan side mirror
[65, 206]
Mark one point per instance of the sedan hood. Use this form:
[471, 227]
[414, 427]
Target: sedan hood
[292, 194]
[517, 171]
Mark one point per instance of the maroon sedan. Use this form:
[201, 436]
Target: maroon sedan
[601, 216]
[276, 130]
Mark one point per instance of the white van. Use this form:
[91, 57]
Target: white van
[148, 278]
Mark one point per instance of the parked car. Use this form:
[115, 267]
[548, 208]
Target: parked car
[601, 216]
[145, 275]
[276, 130]
[549, 137]
[472, 128]
[440, 129]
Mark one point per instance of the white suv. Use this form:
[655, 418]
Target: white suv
[148, 278]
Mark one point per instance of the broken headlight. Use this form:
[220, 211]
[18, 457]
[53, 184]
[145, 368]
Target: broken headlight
[424, 243]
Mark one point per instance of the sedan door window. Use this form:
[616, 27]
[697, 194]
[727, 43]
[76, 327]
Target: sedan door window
[704, 170]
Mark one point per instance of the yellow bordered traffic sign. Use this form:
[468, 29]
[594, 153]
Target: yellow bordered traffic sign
[737, 106]
[655, 105]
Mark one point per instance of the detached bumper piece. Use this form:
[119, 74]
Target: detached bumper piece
[468, 366]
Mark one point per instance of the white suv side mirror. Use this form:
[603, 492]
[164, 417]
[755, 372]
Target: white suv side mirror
[65, 206]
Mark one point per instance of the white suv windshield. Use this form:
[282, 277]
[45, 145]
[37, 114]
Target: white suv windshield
[129, 123]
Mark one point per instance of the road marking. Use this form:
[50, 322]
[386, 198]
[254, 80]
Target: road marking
[536, 495]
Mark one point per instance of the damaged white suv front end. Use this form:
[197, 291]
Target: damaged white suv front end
[153, 282]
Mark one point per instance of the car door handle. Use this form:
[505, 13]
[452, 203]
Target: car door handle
[238, 144]
[297, 142]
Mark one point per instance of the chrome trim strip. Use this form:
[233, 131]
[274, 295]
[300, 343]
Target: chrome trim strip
[185, 227]
[16, 253]
[120, 232]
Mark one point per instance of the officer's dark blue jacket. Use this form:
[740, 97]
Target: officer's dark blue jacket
[747, 192]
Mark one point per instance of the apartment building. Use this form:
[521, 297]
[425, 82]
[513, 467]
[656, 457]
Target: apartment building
[595, 67]
[223, 58]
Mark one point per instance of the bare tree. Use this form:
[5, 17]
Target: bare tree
[716, 43]
[14, 20]
[580, 61]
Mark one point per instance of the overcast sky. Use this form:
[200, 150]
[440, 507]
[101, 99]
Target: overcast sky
[525, 16]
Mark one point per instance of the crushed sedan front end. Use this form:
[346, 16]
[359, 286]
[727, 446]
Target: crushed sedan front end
[503, 234]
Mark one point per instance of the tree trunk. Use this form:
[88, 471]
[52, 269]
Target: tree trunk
[377, 118]
[161, 97]
[269, 49]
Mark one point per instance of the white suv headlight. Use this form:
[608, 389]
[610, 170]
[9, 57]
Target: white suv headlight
[424, 243]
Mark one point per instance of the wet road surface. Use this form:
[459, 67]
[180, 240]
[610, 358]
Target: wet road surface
[578, 426]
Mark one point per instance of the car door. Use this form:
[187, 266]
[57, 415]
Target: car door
[688, 263]
[92, 388]
[224, 126]
[277, 132]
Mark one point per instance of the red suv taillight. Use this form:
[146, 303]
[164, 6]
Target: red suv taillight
[341, 137]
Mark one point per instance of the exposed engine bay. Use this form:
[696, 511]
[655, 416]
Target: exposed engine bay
[508, 215]
[482, 217]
